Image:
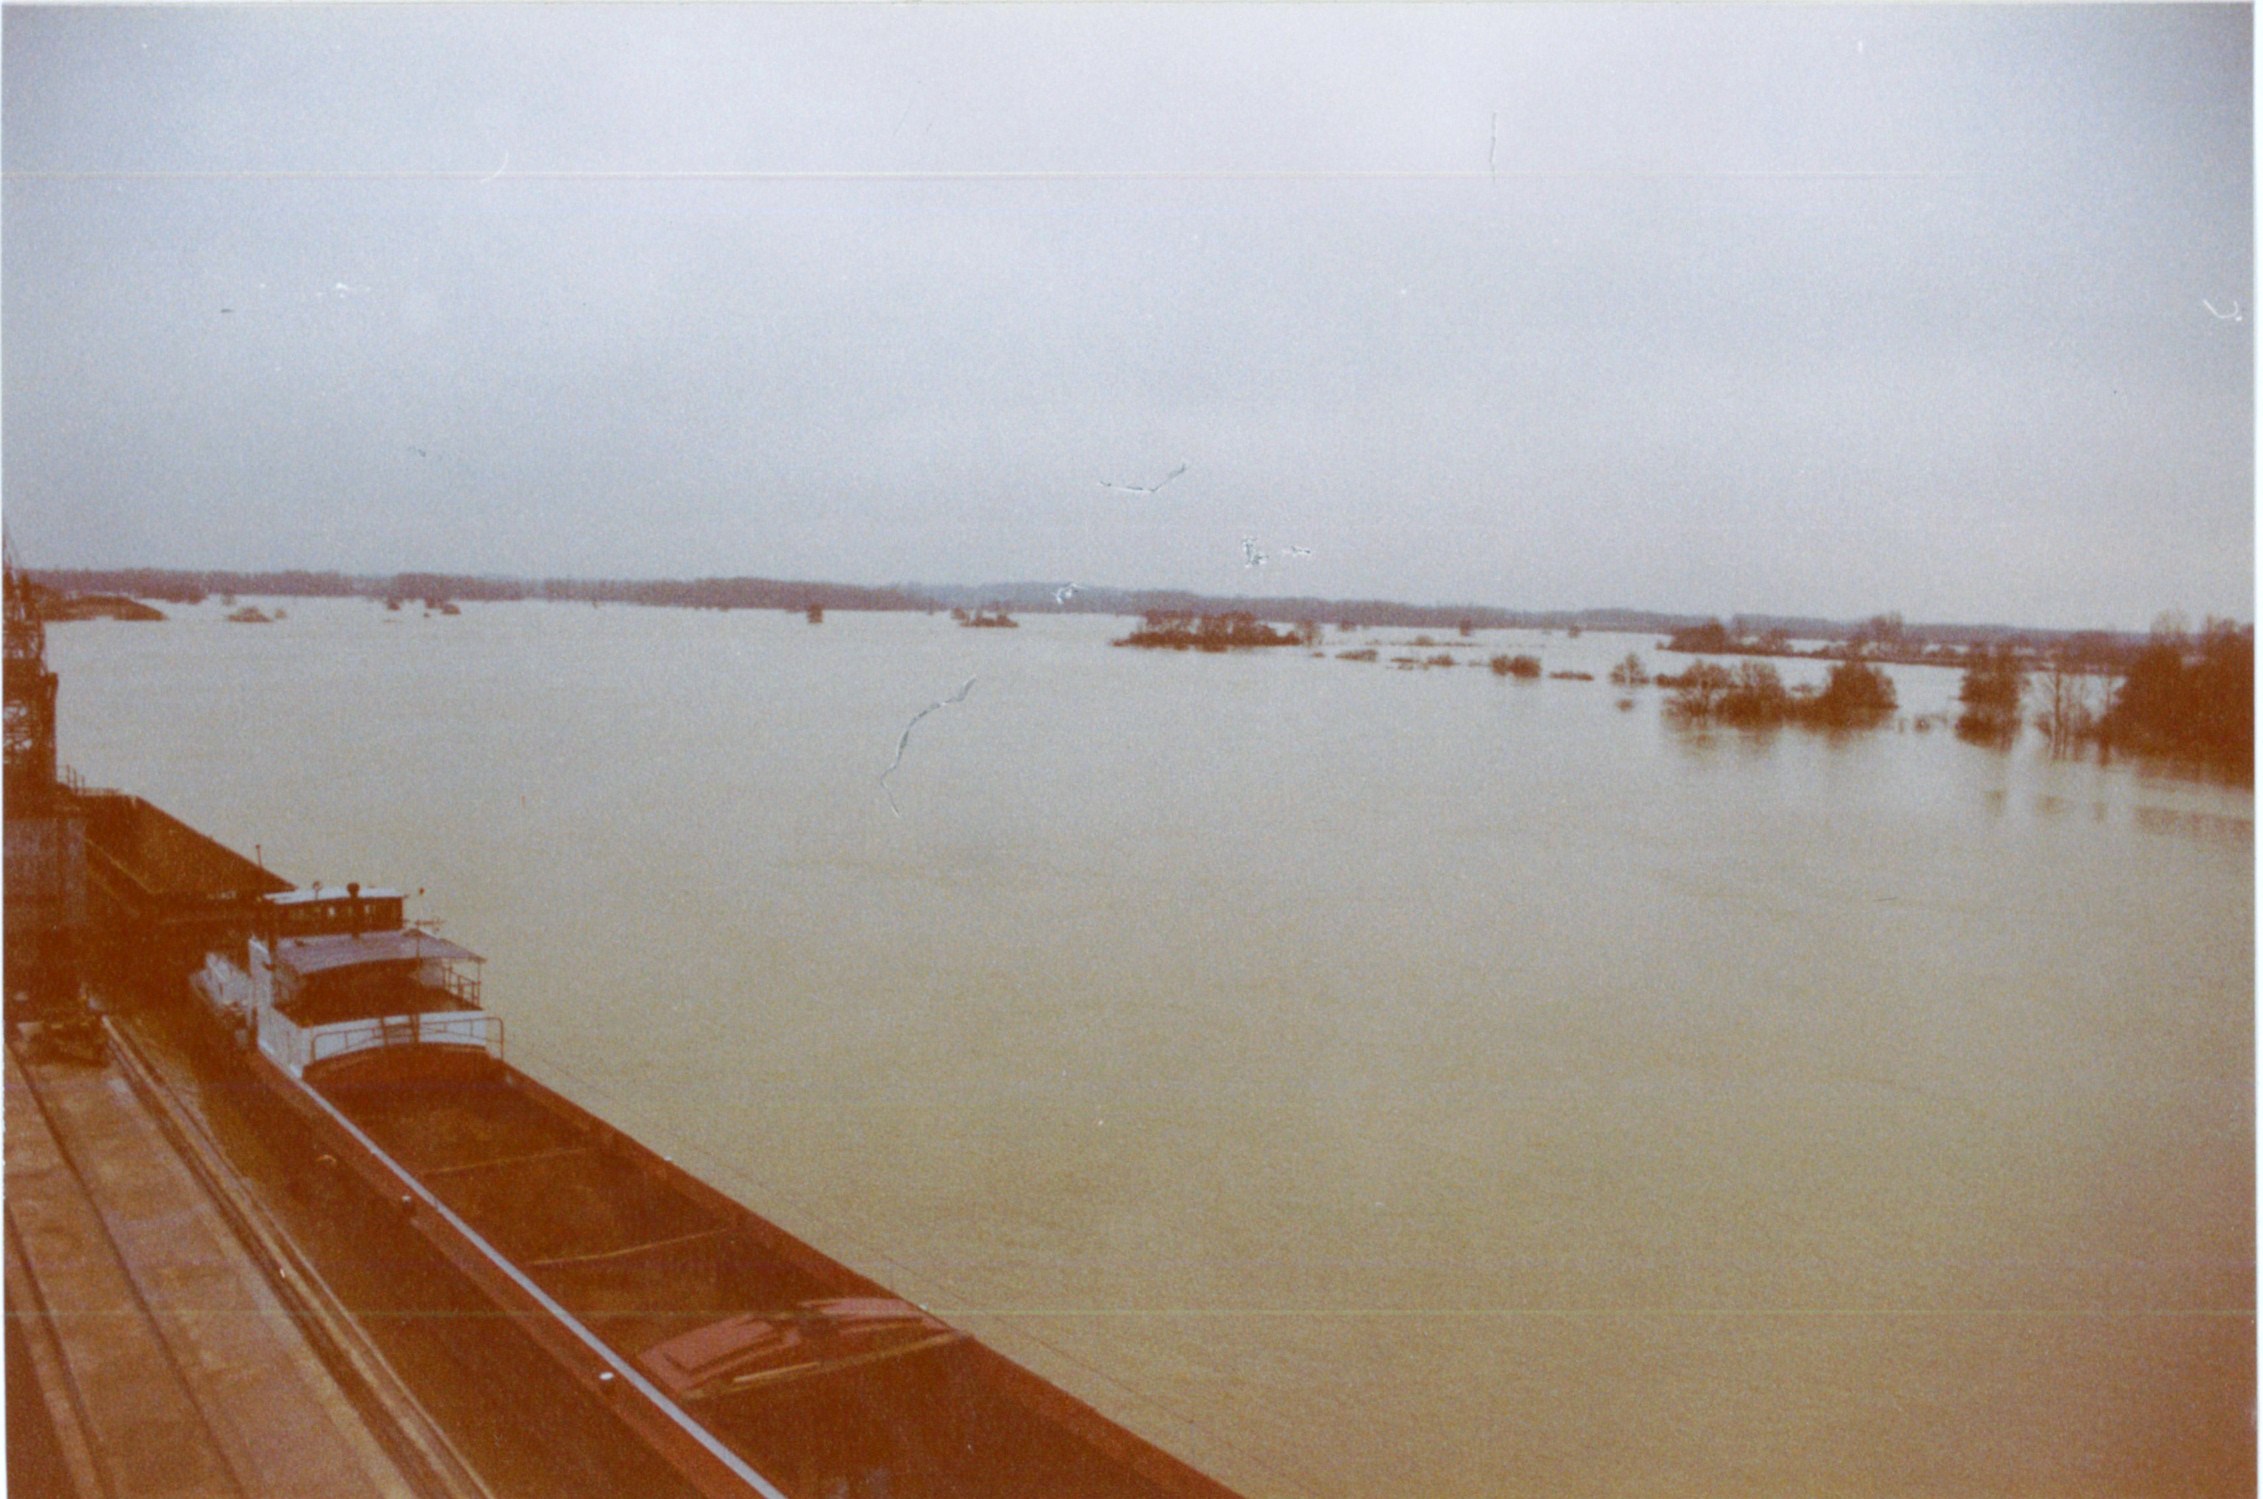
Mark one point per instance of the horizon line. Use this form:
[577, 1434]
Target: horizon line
[914, 588]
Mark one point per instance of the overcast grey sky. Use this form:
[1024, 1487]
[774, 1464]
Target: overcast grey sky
[1786, 309]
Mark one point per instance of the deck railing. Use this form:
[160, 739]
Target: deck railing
[463, 986]
[302, 1048]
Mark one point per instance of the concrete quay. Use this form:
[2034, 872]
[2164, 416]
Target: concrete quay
[172, 1345]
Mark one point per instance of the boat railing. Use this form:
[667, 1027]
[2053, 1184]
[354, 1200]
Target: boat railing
[470, 1028]
[463, 986]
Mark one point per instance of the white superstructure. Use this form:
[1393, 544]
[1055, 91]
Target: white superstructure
[333, 972]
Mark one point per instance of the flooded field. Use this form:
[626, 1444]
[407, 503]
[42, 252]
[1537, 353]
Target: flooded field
[1359, 1080]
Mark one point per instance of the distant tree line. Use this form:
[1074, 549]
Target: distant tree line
[172, 586]
[190, 587]
[725, 593]
[1347, 614]
[1882, 637]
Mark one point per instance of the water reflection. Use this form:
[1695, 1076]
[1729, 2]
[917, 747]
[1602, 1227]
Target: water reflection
[1994, 734]
[1701, 741]
[2153, 771]
[2210, 826]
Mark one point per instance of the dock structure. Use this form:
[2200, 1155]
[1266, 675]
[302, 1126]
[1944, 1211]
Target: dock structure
[45, 888]
[164, 1335]
[165, 1357]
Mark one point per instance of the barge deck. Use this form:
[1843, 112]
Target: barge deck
[596, 1233]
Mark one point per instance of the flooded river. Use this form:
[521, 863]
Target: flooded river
[1361, 1081]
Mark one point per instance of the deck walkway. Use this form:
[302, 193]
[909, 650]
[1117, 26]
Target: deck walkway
[168, 1364]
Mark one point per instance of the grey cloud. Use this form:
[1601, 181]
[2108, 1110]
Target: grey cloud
[1770, 308]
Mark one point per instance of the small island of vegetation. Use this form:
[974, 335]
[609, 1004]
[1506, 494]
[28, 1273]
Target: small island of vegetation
[1179, 630]
[1753, 696]
[56, 606]
[98, 606]
[990, 617]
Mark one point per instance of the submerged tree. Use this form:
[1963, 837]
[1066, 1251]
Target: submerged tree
[1630, 672]
[1857, 696]
[1994, 683]
[1698, 691]
[2068, 716]
[2185, 697]
[1754, 698]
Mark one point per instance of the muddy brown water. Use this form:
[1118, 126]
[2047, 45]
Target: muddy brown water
[1358, 1080]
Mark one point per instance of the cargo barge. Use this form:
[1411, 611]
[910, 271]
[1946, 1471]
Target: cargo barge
[749, 1360]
